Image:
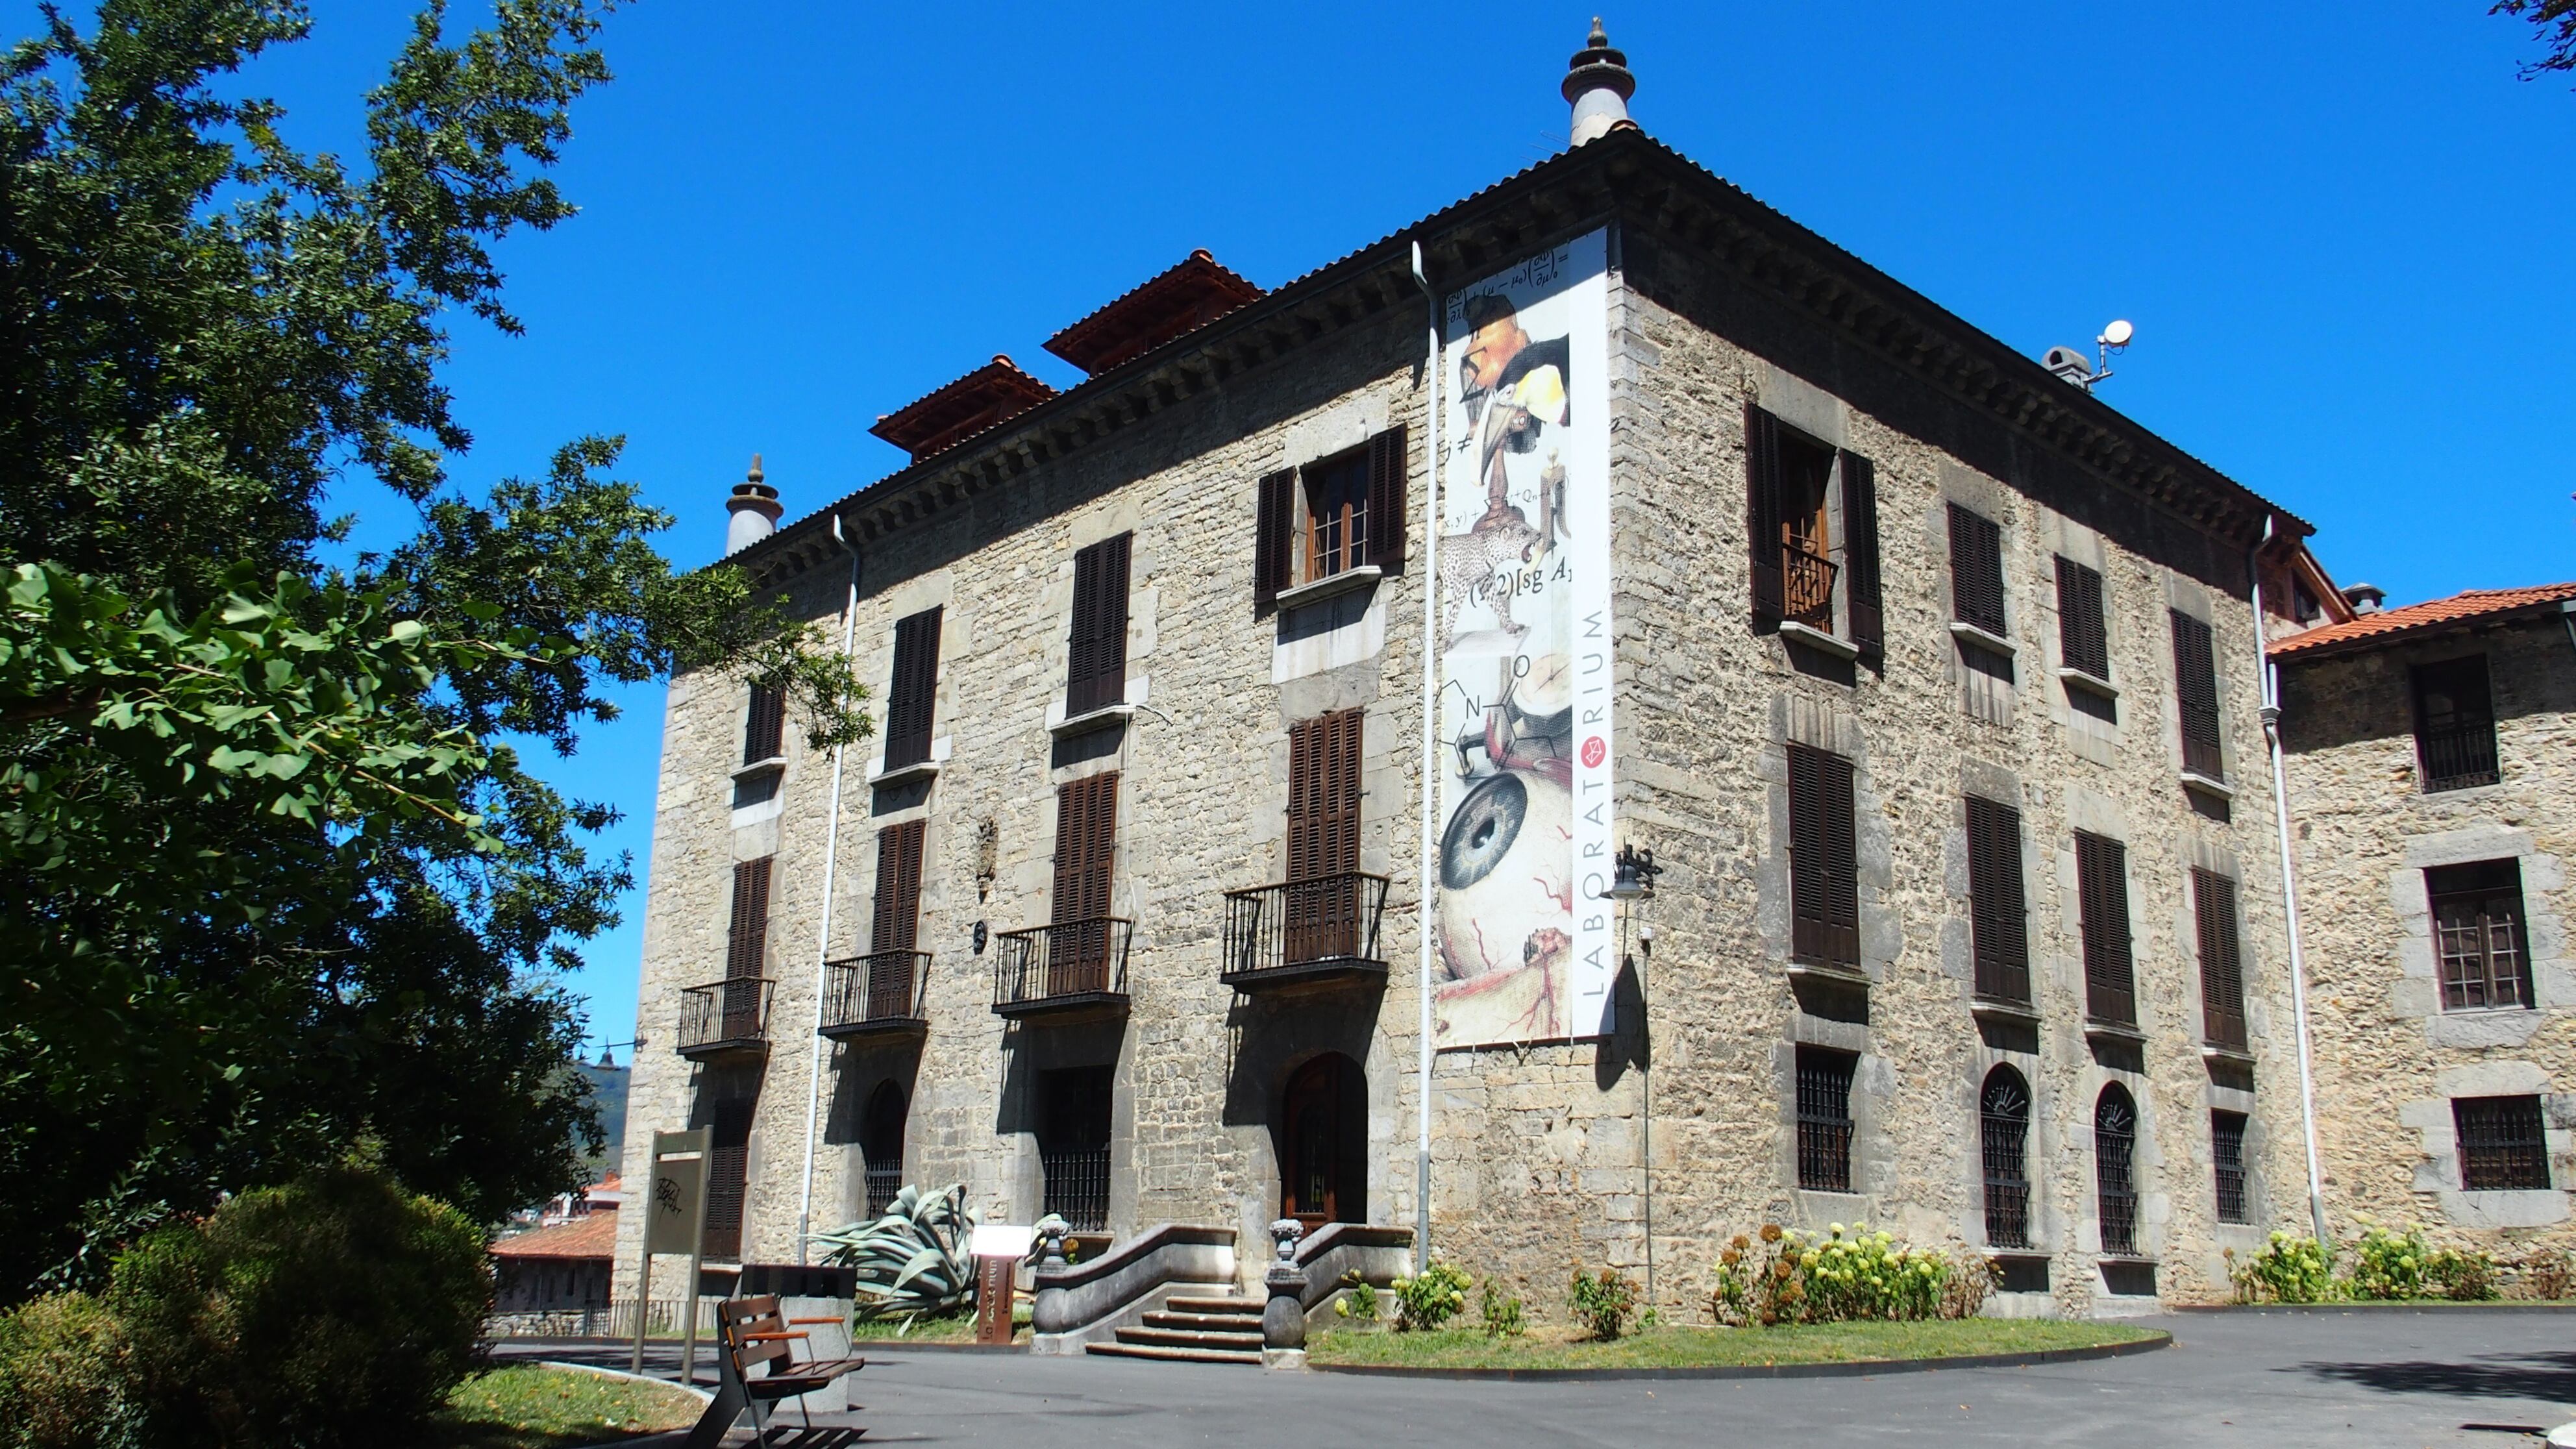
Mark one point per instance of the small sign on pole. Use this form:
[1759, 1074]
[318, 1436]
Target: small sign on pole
[675, 1211]
[997, 1249]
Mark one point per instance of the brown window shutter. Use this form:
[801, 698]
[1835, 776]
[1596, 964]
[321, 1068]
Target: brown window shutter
[898, 905]
[1976, 570]
[1096, 671]
[747, 938]
[1860, 555]
[728, 1175]
[1274, 519]
[2222, 974]
[913, 694]
[1997, 914]
[2196, 693]
[1386, 506]
[764, 729]
[1086, 826]
[2102, 902]
[1324, 795]
[1824, 876]
[2083, 632]
[1762, 515]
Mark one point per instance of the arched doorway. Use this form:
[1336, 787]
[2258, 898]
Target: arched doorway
[1323, 1143]
[881, 1142]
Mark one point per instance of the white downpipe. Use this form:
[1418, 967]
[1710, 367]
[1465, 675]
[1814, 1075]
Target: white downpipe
[2268, 686]
[1430, 767]
[823, 931]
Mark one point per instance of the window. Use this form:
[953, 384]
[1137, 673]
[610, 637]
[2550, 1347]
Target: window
[747, 936]
[2003, 1115]
[1824, 880]
[1787, 479]
[2455, 724]
[2102, 904]
[764, 725]
[2503, 1146]
[1086, 838]
[2478, 934]
[2303, 601]
[2083, 632]
[2227, 1164]
[1824, 1119]
[1337, 514]
[2196, 696]
[912, 695]
[728, 1173]
[1323, 916]
[881, 1145]
[2222, 974]
[2115, 1181]
[898, 905]
[1073, 1145]
[1096, 670]
[1976, 570]
[1998, 928]
[1354, 515]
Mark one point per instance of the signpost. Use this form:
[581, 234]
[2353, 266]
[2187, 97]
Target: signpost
[997, 1249]
[675, 1213]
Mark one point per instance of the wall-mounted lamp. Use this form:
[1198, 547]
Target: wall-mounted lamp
[1633, 879]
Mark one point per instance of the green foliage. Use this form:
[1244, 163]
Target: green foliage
[2554, 22]
[2400, 1265]
[1429, 1298]
[62, 1365]
[1358, 1299]
[2290, 1269]
[1787, 1277]
[1602, 1302]
[1504, 1317]
[912, 1260]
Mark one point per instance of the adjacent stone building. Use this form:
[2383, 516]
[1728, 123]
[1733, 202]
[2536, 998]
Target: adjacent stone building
[2431, 757]
[1931, 682]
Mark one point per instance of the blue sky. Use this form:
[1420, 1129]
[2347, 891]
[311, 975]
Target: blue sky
[2342, 232]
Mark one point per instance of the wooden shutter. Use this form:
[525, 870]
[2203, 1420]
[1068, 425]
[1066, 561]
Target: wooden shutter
[2102, 901]
[2083, 635]
[1824, 876]
[1096, 670]
[1274, 519]
[1976, 570]
[2222, 975]
[913, 694]
[765, 726]
[1762, 515]
[1324, 795]
[1086, 825]
[898, 905]
[1860, 555]
[728, 1174]
[2196, 693]
[748, 937]
[1386, 505]
[1997, 914]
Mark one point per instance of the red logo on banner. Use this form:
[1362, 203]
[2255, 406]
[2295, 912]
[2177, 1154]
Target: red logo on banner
[1594, 752]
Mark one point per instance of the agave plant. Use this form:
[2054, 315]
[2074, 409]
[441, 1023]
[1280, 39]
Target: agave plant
[912, 1260]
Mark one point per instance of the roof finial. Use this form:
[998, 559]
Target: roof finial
[755, 475]
[1598, 82]
[751, 512]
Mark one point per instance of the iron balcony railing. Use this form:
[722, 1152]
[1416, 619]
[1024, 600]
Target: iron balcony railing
[2459, 757]
[1077, 1186]
[1806, 588]
[727, 1015]
[1296, 927]
[1074, 962]
[884, 990]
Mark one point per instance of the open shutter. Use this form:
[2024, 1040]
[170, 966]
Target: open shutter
[2222, 976]
[1860, 555]
[898, 903]
[1762, 515]
[2196, 694]
[1386, 505]
[1998, 921]
[2102, 899]
[912, 694]
[1096, 672]
[1274, 515]
[747, 937]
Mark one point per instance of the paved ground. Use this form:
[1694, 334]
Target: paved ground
[2377, 1377]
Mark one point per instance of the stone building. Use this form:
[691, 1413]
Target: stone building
[2431, 759]
[1931, 682]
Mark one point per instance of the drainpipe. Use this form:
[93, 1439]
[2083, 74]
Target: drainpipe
[1430, 767]
[2267, 682]
[823, 932]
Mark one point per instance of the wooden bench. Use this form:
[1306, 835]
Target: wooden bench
[750, 1333]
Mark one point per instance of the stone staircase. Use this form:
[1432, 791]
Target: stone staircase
[1193, 1329]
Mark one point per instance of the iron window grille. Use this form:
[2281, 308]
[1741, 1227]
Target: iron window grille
[1976, 570]
[2227, 1164]
[884, 1181]
[1077, 1187]
[2115, 1150]
[2504, 1146]
[2003, 1112]
[1824, 1119]
[2478, 935]
[2455, 741]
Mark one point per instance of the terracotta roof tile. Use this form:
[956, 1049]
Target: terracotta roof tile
[1178, 300]
[2458, 608]
[592, 1235]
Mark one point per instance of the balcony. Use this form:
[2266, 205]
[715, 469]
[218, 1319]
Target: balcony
[1077, 968]
[725, 1018]
[1317, 932]
[878, 995]
[1806, 588]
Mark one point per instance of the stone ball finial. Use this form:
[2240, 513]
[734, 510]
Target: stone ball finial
[755, 475]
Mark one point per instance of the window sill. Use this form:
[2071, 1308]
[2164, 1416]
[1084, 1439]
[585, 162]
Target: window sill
[1999, 1009]
[905, 774]
[2208, 785]
[1348, 581]
[1818, 640]
[2217, 1052]
[2113, 1031]
[1090, 720]
[1819, 971]
[1967, 633]
[2089, 683]
[770, 766]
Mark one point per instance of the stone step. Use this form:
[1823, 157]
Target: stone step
[1176, 1355]
[1217, 1322]
[1194, 1303]
[1190, 1338]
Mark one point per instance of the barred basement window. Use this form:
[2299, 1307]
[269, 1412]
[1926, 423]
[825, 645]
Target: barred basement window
[881, 1145]
[1976, 570]
[2003, 1115]
[2227, 1164]
[1824, 1119]
[764, 726]
[2455, 739]
[2115, 1180]
[1999, 933]
[2503, 1145]
[1073, 1145]
[2478, 935]
[1824, 876]
[2102, 900]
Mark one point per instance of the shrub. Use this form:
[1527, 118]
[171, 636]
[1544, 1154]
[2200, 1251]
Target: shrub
[2388, 1265]
[1503, 1315]
[2288, 1270]
[2461, 1274]
[1358, 1298]
[1429, 1298]
[1602, 1302]
[912, 1259]
[1788, 1277]
[62, 1377]
[2545, 1275]
[1971, 1278]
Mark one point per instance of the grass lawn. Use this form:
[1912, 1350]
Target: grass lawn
[1555, 1348]
[533, 1406]
[958, 1327]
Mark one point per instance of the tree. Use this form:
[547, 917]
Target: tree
[275, 885]
[2555, 22]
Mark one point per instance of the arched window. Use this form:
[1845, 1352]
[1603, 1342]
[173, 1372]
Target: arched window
[2115, 1175]
[881, 1141]
[2003, 1113]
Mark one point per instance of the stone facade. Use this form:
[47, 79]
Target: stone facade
[2390, 1057]
[1540, 1152]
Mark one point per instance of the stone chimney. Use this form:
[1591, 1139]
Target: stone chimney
[754, 506]
[2365, 598]
[1597, 81]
